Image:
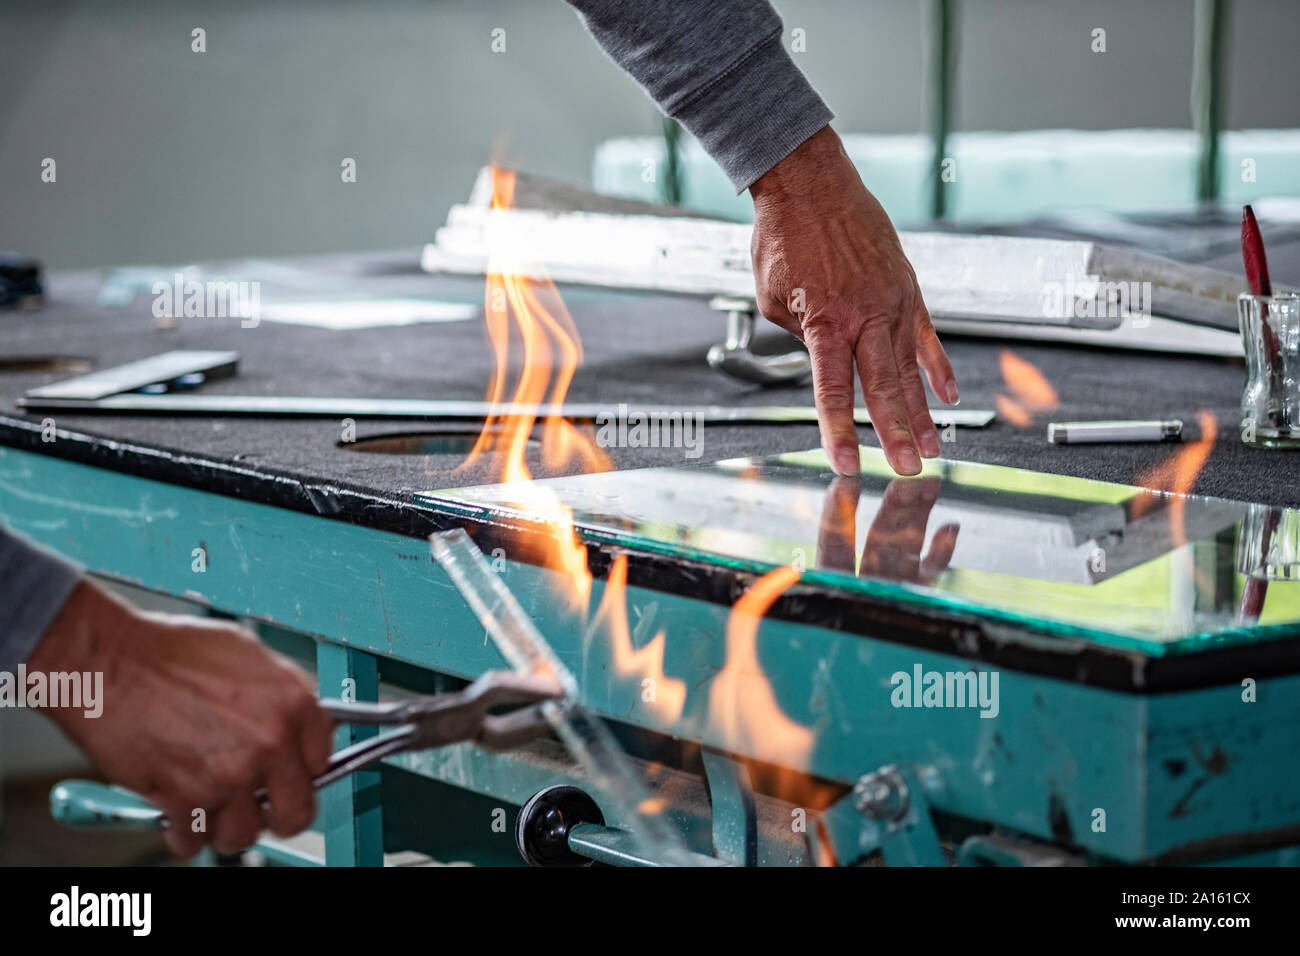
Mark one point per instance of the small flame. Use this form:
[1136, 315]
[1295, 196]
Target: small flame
[1031, 392]
[1177, 474]
[668, 696]
[652, 806]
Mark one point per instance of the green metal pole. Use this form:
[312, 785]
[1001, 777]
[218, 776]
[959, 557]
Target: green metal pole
[1209, 41]
[670, 183]
[351, 809]
[940, 105]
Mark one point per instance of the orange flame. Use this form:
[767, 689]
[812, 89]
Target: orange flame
[652, 806]
[1031, 392]
[531, 310]
[742, 706]
[647, 664]
[1177, 474]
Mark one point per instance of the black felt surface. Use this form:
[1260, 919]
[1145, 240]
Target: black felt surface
[639, 349]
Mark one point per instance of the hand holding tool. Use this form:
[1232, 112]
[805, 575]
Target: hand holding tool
[422, 723]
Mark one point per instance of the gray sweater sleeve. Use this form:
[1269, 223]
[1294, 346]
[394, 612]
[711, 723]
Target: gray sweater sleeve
[34, 583]
[718, 67]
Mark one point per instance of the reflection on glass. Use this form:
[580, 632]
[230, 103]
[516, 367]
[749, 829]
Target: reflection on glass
[896, 537]
[1268, 545]
[1112, 563]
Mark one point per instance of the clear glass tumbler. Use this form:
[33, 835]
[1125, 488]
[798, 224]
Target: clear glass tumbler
[1270, 335]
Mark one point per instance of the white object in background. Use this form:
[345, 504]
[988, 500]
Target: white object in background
[365, 313]
[1157, 335]
[1041, 282]
[1099, 433]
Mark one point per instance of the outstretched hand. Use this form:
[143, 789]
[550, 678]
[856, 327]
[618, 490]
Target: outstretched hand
[829, 268]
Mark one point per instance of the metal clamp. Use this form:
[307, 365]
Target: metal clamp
[735, 359]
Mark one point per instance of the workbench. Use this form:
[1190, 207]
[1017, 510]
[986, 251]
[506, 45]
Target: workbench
[323, 545]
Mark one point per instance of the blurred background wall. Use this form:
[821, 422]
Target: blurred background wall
[167, 155]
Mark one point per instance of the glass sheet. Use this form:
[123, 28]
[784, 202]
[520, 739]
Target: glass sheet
[1111, 563]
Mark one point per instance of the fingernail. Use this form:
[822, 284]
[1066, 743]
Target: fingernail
[950, 393]
[845, 460]
[929, 443]
[908, 463]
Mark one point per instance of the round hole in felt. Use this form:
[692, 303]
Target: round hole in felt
[444, 441]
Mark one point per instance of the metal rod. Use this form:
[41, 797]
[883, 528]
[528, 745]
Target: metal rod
[670, 183]
[291, 406]
[619, 848]
[940, 105]
[1209, 42]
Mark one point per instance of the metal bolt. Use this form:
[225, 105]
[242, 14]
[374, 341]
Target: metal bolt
[882, 795]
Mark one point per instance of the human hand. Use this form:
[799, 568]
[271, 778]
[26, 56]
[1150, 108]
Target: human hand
[197, 715]
[829, 268]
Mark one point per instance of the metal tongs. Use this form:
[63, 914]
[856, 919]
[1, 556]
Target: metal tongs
[424, 723]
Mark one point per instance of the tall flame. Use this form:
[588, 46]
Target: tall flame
[518, 306]
[527, 311]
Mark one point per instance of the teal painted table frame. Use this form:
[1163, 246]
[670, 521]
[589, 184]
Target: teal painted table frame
[1190, 775]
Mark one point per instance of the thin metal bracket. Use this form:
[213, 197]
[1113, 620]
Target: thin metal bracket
[887, 811]
[735, 817]
[1005, 849]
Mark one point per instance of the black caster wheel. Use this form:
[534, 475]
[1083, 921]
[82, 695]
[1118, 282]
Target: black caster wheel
[542, 829]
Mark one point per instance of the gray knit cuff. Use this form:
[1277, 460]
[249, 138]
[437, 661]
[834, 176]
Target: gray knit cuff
[755, 113]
